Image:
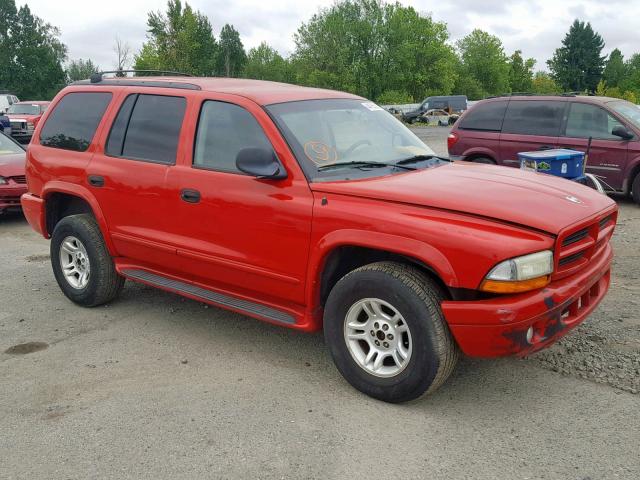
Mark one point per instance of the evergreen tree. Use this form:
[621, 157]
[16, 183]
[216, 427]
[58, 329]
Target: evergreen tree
[80, 69]
[578, 64]
[614, 69]
[232, 56]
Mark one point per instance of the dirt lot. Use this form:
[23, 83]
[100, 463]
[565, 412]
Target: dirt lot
[156, 386]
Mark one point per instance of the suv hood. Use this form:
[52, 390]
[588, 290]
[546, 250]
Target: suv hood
[534, 200]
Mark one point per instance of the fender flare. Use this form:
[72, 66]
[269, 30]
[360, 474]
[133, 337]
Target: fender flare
[409, 247]
[80, 191]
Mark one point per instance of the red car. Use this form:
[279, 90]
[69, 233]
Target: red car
[12, 177]
[496, 130]
[24, 116]
[313, 209]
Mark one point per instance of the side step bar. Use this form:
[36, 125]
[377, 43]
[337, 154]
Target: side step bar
[210, 296]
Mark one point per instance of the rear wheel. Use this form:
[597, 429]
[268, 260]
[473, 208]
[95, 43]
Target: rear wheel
[81, 263]
[386, 332]
[635, 189]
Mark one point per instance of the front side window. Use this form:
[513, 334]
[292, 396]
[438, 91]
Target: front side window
[345, 132]
[147, 128]
[534, 117]
[484, 116]
[74, 120]
[223, 130]
[586, 120]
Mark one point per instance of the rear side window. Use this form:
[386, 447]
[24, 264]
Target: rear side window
[147, 128]
[586, 121]
[534, 117]
[223, 130]
[484, 116]
[74, 120]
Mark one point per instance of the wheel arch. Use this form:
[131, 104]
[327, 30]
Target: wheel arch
[62, 199]
[342, 252]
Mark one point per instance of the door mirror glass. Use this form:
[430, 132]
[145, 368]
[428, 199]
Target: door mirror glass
[622, 132]
[260, 162]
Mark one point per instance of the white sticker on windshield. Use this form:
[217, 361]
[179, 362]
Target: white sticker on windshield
[371, 106]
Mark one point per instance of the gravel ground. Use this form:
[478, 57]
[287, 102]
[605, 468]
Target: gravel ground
[606, 348]
[157, 386]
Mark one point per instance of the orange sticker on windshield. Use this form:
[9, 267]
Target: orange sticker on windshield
[320, 153]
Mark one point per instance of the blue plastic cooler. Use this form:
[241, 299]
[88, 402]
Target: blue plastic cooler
[560, 162]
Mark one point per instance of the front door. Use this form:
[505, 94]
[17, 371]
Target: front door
[608, 154]
[239, 233]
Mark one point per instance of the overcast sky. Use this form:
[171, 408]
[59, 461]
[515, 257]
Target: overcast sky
[534, 26]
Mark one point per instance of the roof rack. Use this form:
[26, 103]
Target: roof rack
[529, 94]
[97, 77]
[138, 81]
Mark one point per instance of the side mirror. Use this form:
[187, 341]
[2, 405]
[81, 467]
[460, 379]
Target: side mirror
[261, 163]
[622, 132]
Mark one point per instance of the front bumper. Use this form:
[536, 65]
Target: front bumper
[10, 196]
[498, 327]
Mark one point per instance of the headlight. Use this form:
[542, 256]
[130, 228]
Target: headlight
[520, 274]
[3, 181]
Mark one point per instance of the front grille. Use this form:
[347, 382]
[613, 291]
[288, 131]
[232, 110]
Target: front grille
[575, 237]
[570, 259]
[578, 247]
[22, 179]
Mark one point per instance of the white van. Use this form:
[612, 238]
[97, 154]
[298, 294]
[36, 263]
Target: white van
[6, 100]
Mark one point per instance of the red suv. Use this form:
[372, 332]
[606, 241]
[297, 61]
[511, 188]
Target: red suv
[496, 130]
[313, 209]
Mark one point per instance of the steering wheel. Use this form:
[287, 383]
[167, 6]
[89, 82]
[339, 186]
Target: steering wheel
[358, 144]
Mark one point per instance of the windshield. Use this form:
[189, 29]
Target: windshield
[324, 132]
[8, 146]
[24, 109]
[628, 110]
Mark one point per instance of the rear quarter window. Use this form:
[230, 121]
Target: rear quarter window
[534, 117]
[74, 120]
[484, 116]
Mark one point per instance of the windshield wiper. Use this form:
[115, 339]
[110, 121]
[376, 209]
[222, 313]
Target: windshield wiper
[363, 164]
[415, 159]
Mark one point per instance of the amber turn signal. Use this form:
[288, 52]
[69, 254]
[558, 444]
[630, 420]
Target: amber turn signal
[498, 286]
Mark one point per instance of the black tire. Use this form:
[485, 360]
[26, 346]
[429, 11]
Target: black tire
[635, 189]
[104, 283]
[417, 298]
[485, 160]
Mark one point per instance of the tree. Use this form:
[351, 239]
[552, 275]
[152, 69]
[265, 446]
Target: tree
[31, 55]
[577, 65]
[180, 39]
[483, 60]
[369, 47]
[520, 72]
[614, 70]
[542, 83]
[80, 69]
[265, 63]
[123, 55]
[232, 56]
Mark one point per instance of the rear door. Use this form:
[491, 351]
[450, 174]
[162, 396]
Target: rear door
[608, 153]
[530, 125]
[129, 177]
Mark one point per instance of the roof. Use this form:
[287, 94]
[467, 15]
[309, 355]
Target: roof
[563, 97]
[260, 91]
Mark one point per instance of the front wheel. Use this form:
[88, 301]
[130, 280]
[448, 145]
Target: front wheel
[635, 189]
[81, 263]
[387, 334]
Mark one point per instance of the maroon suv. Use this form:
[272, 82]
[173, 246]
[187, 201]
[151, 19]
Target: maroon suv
[495, 130]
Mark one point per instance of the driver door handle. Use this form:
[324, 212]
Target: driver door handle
[190, 196]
